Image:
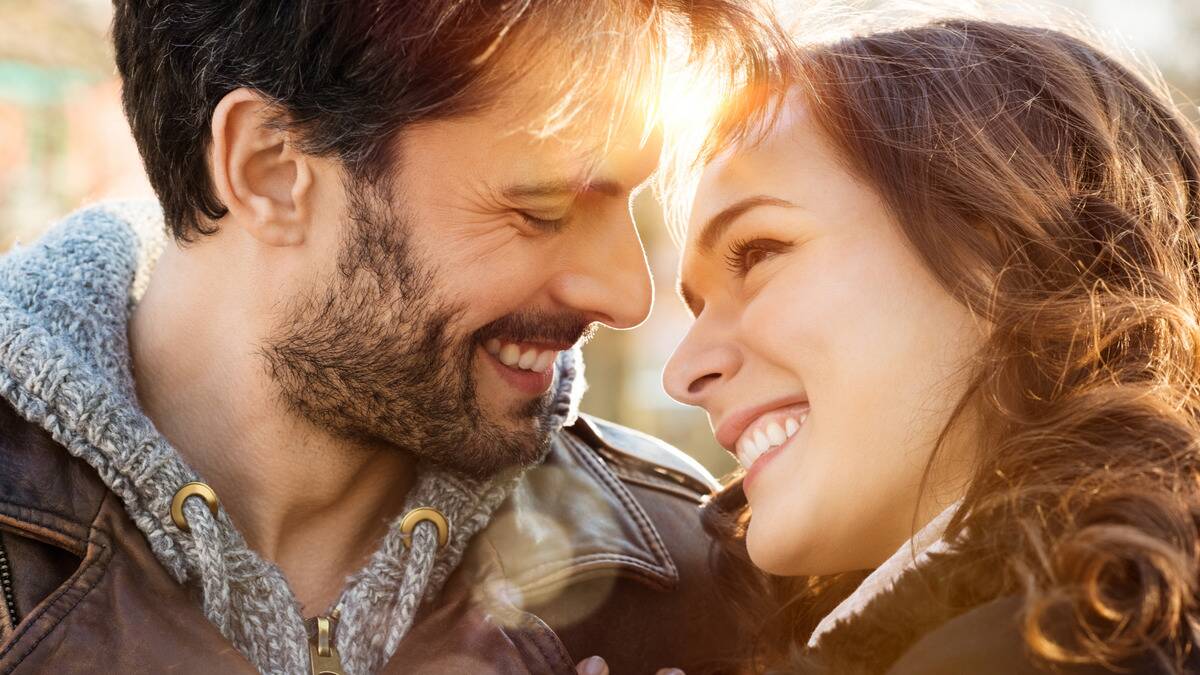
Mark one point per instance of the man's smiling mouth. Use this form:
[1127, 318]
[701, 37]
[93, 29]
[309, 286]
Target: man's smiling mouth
[523, 356]
[526, 366]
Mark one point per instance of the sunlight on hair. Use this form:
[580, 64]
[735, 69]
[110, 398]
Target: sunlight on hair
[823, 21]
[820, 21]
[690, 98]
[694, 99]
[688, 103]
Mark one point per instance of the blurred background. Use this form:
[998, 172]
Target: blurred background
[64, 143]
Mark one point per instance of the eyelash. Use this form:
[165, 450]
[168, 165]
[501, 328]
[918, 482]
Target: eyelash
[542, 224]
[737, 260]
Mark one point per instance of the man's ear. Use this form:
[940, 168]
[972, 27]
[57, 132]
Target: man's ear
[257, 173]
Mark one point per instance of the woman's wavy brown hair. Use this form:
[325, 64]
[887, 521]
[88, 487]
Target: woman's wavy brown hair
[1057, 194]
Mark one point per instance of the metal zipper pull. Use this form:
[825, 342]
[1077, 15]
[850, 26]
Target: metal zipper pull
[324, 656]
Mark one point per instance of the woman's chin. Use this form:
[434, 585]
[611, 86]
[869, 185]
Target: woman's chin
[795, 551]
[777, 551]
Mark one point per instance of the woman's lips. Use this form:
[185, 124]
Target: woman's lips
[760, 465]
[730, 430]
[769, 431]
[758, 434]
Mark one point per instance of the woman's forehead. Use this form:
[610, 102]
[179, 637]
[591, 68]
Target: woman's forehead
[790, 148]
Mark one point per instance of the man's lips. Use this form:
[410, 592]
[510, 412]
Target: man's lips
[532, 356]
[526, 366]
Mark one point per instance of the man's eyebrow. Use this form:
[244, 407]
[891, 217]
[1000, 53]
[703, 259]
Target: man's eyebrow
[712, 230]
[560, 188]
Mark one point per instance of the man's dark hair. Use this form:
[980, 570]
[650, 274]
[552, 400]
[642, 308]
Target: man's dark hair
[346, 76]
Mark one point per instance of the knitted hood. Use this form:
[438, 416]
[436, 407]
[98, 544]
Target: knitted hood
[64, 365]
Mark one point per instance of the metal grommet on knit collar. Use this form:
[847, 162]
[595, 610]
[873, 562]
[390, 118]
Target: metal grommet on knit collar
[425, 513]
[193, 489]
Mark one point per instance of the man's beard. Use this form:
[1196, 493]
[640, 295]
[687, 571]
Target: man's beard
[370, 358]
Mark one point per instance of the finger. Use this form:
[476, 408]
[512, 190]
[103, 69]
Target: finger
[592, 666]
[670, 671]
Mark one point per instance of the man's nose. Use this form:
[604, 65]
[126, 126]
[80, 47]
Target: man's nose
[606, 277]
[700, 364]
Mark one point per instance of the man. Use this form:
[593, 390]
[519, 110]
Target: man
[296, 433]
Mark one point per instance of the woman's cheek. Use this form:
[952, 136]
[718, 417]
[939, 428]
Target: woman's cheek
[797, 311]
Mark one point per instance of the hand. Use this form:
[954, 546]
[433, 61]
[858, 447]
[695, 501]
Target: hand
[592, 666]
[596, 666]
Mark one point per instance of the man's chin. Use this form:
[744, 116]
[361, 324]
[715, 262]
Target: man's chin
[484, 463]
[498, 441]
[532, 424]
[510, 411]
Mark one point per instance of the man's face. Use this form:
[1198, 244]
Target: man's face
[453, 289]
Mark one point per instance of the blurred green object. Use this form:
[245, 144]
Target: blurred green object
[26, 84]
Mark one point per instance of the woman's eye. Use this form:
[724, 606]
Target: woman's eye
[745, 254]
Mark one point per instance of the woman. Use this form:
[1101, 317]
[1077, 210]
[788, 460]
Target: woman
[950, 286]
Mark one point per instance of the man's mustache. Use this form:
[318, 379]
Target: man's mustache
[553, 328]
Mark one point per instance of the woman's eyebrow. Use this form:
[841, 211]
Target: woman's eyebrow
[712, 230]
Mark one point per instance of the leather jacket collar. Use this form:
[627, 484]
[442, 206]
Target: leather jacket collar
[571, 518]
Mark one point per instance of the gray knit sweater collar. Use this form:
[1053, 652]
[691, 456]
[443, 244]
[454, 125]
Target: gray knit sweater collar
[64, 365]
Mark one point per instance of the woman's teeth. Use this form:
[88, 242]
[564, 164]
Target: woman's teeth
[513, 356]
[760, 438]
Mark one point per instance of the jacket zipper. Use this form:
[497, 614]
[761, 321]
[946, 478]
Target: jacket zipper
[10, 598]
[321, 652]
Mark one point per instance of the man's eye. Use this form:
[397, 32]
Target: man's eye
[542, 224]
[745, 254]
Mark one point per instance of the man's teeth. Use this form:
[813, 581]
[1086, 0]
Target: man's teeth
[754, 444]
[513, 356]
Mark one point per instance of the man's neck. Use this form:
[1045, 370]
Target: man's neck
[312, 503]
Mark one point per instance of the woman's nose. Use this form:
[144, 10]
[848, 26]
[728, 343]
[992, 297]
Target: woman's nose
[699, 366]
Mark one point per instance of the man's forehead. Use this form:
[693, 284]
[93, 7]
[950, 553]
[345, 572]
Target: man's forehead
[488, 145]
[526, 143]
[587, 141]
[541, 170]
[588, 115]
[611, 167]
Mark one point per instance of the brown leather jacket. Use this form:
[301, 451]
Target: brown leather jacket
[599, 551]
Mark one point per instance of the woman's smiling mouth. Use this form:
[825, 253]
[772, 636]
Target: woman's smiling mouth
[769, 431]
[751, 433]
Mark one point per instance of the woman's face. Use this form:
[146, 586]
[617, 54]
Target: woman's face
[827, 356]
